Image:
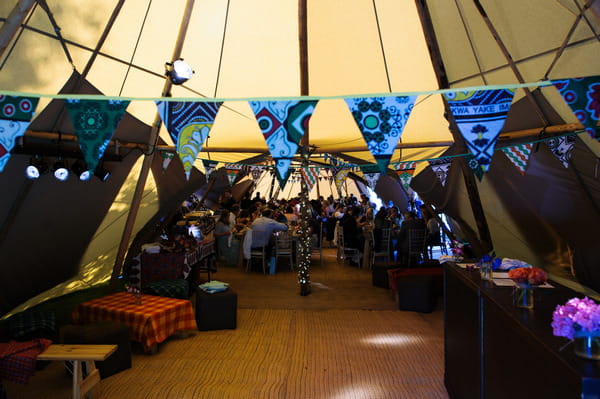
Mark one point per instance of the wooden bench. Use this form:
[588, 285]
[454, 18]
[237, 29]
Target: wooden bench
[78, 354]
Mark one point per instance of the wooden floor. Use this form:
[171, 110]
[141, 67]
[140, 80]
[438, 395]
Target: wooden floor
[345, 340]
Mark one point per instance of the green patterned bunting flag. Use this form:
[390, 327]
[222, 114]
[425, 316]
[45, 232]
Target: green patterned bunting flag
[95, 122]
[405, 171]
[15, 114]
[519, 156]
[310, 176]
[232, 175]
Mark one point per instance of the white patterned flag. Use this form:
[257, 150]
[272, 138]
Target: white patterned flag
[371, 174]
[519, 156]
[15, 114]
[283, 124]
[189, 124]
[440, 167]
[310, 176]
[256, 172]
[480, 116]
[562, 147]
[381, 121]
[209, 167]
[166, 158]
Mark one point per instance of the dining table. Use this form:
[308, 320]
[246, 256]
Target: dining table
[151, 320]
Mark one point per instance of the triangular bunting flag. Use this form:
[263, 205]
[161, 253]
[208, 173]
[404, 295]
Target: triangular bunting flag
[405, 171]
[95, 122]
[236, 166]
[232, 175]
[15, 114]
[166, 157]
[310, 176]
[440, 167]
[583, 97]
[475, 166]
[381, 121]
[283, 124]
[189, 124]
[480, 116]
[519, 156]
[256, 172]
[339, 180]
[371, 174]
[209, 167]
[562, 147]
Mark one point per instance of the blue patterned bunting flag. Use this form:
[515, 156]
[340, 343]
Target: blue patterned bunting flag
[189, 124]
[283, 124]
[381, 121]
[480, 116]
[15, 114]
[583, 96]
[95, 122]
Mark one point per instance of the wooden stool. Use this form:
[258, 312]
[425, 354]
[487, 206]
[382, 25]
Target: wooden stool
[78, 354]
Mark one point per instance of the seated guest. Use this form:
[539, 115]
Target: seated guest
[410, 222]
[227, 245]
[353, 235]
[263, 229]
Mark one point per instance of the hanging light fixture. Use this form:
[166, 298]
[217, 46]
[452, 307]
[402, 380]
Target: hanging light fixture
[178, 71]
[37, 166]
[61, 172]
[81, 170]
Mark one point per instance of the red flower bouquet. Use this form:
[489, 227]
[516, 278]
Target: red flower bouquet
[528, 276]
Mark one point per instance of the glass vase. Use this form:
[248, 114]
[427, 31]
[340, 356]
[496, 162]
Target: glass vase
[523, 297]
[587, 346]
[485, 271]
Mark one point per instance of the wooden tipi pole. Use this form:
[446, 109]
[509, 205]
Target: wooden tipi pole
[148, 159]
[304, 247]
[485, 237]
[13, 22]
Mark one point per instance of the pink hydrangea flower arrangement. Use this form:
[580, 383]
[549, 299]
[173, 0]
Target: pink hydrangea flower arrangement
[577, 318]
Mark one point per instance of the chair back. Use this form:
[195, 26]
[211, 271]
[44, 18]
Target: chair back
[416, 242]
[283, 241]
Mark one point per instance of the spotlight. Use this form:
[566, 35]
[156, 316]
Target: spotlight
[101, 173]
[178, 71]
[61, 172]
[36, 168]
[81, 170]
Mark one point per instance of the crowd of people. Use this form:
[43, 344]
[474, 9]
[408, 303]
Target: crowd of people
[357, 218]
